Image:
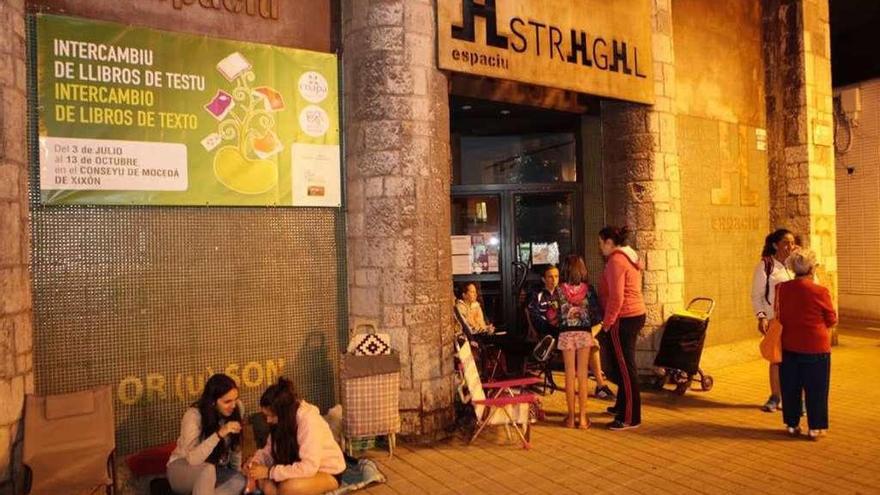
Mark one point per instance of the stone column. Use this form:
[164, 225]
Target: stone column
[643, 186]
[800, 125]
[16, 374]
[398, 174]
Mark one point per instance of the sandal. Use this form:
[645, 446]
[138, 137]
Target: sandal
[585, 426]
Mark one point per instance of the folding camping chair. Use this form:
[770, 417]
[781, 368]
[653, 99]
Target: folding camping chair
[69, 443]
[490, 357]
[505, 404]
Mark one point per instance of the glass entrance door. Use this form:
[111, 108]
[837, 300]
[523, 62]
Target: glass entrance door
[516, 201]
[477, 249]
[503, 241]
[543, 235]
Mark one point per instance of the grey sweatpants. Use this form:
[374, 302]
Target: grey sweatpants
[204, 479]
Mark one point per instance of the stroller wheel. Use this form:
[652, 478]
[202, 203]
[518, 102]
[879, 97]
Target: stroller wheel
[682, 387]
[707, 382]
[660, 382]
[682, 378]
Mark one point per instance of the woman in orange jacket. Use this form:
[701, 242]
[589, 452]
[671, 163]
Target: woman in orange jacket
[620, 293]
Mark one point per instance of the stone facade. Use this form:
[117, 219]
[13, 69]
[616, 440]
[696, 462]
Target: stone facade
[722, 157]
[800, 126]
[16, 359]
[643, 186]
[396, 127]
[397, 197]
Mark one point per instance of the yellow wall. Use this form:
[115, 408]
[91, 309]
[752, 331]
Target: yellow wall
[719, 76]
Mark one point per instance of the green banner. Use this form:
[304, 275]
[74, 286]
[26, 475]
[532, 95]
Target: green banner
[131, 115]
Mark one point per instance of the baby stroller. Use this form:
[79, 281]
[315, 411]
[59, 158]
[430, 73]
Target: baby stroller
[682, 346]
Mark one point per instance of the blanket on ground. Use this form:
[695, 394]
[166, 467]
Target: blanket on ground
[359, 473]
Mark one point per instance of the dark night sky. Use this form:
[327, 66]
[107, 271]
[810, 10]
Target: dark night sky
[855, 40]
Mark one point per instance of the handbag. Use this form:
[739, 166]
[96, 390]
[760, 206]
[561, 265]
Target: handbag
[371, 343]
[771, 343]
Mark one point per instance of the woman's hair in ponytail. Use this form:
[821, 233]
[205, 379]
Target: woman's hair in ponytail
[772, 239]
[617, 235]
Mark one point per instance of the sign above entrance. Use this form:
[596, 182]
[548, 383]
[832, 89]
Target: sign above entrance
[590, 46]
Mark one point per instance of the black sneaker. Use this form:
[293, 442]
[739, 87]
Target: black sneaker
[605, 393]
[620, 426]
[611, 410]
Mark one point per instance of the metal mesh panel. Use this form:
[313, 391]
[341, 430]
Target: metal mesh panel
[153, 299]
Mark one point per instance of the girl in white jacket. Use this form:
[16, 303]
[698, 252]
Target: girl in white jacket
[300, 457]
[771, 271]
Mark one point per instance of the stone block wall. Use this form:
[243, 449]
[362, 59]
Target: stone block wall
[16, 358]
[721, 124]
[398, 185]
[800, 126]
[643, 184]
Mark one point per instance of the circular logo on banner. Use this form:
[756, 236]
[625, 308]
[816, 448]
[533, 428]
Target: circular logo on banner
[313, 87]
[314, 121]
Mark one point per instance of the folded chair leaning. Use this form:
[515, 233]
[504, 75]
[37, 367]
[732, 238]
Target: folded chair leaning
[504, 404]
[69, 442]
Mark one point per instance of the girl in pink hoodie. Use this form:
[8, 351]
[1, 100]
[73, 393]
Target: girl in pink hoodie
[620, 293]
[300, 455]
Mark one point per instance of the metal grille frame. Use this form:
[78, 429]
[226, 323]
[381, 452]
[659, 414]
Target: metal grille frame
[151, 300]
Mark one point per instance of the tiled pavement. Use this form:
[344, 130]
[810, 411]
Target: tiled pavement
[715, 442]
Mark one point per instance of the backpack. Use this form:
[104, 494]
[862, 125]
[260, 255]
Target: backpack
[768, 270]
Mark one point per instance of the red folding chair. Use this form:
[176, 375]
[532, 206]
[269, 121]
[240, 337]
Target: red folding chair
[498, 402]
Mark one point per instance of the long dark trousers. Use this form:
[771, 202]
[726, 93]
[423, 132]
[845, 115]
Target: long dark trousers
[623, 338]
[810, 375]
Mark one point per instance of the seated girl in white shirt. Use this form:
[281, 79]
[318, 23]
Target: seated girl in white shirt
[300, 457]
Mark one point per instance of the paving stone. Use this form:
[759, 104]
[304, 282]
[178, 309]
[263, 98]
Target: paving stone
[715, 442]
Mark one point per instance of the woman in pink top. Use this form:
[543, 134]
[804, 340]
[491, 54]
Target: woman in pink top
[300, 457]
[620, 293]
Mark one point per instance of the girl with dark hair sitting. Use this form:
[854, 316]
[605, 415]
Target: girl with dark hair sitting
[300, 457]
[207, 459]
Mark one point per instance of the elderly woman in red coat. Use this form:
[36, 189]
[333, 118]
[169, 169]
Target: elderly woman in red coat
[807, 316]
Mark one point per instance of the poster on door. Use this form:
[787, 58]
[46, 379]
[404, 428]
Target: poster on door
[131, 115]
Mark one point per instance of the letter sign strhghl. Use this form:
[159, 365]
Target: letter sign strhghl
[597, 47]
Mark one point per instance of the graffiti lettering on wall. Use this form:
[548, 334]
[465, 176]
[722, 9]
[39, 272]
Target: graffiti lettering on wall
[155, 387]
[732, 224]
[267, 9]
[738, 186]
